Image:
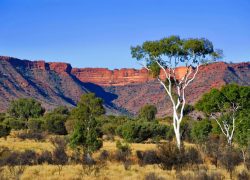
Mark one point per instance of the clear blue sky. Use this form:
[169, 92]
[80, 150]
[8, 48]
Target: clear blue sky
[99, 33]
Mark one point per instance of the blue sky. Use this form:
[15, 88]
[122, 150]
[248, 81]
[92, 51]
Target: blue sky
[99, 33]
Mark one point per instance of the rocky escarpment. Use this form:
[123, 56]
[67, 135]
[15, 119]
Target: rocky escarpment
[124, 90]
[46, 82]
[215, 75]
[117, 77]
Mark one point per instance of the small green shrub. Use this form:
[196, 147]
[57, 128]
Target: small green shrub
[4, 130]
[201, 130]
[139, 131]
[35, 124]
[16, 124]
[55, 123]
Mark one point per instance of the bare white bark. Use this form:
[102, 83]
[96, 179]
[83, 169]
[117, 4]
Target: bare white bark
[180, 86]
[226, 127]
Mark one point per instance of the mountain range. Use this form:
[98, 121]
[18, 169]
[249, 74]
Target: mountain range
[124, 91]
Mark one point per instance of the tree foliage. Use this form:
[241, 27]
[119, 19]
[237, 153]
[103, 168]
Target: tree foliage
[25, 108]
[226, 106]
[36, 124]
[201, 130]
[4, 130]
[193, 50]
[243, 129]
[139, 131]
[85, 133]
[54, 122]
[224, 100]
[162, 57]
[148, 112]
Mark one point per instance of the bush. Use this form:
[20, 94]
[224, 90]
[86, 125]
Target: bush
[31, 135]
[60, 157]
[25, 108]
[35, 124]
[200, 175]
[28, 157]
[170, 134]
[152, 176]
[186, 127]
[45, 157]
[104, 155]
[201, 130]
[213, 147]
[123, 153]
[139, 131]
[4, 130]
[229, 158]
[243, 176]
[16, 124]
[193, 156]
[109, 124]
[171, 157]
[147, 157]
[55, 123]
[109, 128]
[247, 163]
[185, 130]
[147, 112]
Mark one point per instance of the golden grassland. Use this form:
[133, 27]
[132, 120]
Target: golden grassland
[112, 170]
[18, 145]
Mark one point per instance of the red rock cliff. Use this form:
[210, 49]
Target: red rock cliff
[58, 67]
[121, 77]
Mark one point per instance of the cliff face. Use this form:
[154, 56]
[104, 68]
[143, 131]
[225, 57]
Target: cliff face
[124, 90]
[132, 97]
[106, 77]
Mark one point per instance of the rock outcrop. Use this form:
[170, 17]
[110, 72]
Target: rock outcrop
[118, 77]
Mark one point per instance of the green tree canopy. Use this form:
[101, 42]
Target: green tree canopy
[225, 100]
[243, 129]
[171, 51]
[25, 108]
[85, 133]
[162, 57]
[54, 121]
[201, 130]
[148, 112]
[226, 107]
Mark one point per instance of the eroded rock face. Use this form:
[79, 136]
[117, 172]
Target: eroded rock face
[118, 77]
[106, 77]
[60, 68]
[55, 84]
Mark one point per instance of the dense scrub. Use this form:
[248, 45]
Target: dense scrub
[78, 134]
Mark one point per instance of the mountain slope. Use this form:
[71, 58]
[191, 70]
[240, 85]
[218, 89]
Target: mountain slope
[123, 91]
[48, 83]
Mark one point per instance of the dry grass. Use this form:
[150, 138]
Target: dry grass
[16, 144]
[111, 146]
[110, 172]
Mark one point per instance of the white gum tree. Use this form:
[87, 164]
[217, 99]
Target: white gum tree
[224, 106]
[162, 57]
